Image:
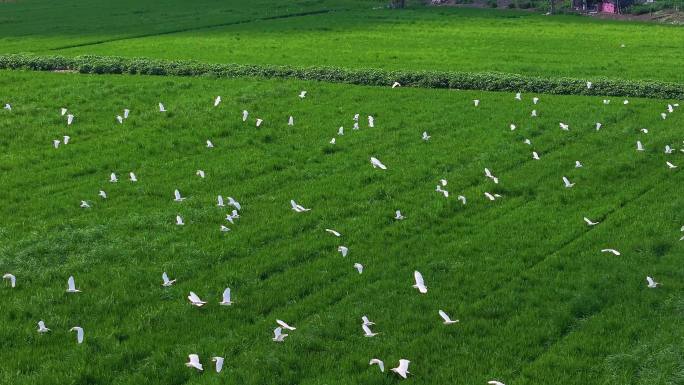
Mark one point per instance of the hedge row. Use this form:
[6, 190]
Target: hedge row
[488, 81]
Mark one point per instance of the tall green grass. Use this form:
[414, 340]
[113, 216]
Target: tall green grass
[537, 300]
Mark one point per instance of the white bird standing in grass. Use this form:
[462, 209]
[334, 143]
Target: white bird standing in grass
[358, 267]
[344, 250]
[71, 286]
[195, 300]
[42, 328]
[589, 222]
[396, 84]
[518, 96]
[380, 364]
[476, 102]
[367, 332]
[284, 325]
[290, 121]
[85, 205]
[612, 251]
[166, 282]
[402, 369]
[161, 108]
[11, 278]
[494, 382]
[70, 119]
[8, 107]
[200, 173]
[258, 122]
[278, 335]
[640, 147]
[210, 144]
[490, 196]
[177, 196]
[598, 126]
[219, 363]
[446, 318]
[462, 199]
[193, 362]
[224, 229]
[420, 283]
[132, 177]
[377, 164]
[119, 119]
[535, 100]
[219, 201]
[535, 156]
[491, 176]
[234, 203]
[63, 111]
[367, 321]
[426, 137]
[651, 283]
[297, 207]
[533, 113]
[302, 94]
[512, 127]
[126, 112]
[55, 143]
[179, 221]
[245, 114]
[217, 101]
[567, 183]
[340, 131]
[225, 301]
[66, 138]
[371, 121]
[79, 333]
[564, 126]
[398, 216]
[670, 165]
[112, 178]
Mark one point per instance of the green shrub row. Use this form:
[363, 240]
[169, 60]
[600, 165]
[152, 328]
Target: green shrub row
[487, 81]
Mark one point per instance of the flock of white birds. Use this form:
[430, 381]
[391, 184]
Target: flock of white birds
[419, 282]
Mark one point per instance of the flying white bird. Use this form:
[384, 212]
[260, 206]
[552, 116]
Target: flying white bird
[193, 362]
[235, 214]
[55, 143]
[612, 251]
[533, 113]
[340, 131]
[668, 149]
[258, 122]
[217, 101]
[564, 126]
[590, 222]
[278, 335]
[606, 101]
[402, 369]
[367, 332]
[333, 232]
[8, 107]
[598, 126]
[670, 165]
[489, 175]
[85, 205]
[358, 267]
[567, 183]
[356, 126]
[578, 164]
[640, 147]
[200, 173]
[285, 325]
[426, 137]
[210, 144]
[112, 178]
[177, 196]
[234, 203]
[297, 207]
[66, 138]
[371, 121]
[446, 318]
[625, 101]
[63, 111]
[126, 113]
[71, 286]
[440, 190]
[398, 216]
[493, 382]
[79, 333]
[70, 119]
[380, 364]
[166, 281]
[132, 177]
[443, 182]
[42, 328]
[302, 94]
[161, 108]
[219, 363]
[195, 300]
[535, 156]
[644, 130]
[670, 108]
[535, 100]
[179, 220]
[332, 141]
[224, 229]
[513, 127]
[663, 115]
[420, 284]
[11, 278]
[290, 121]
[490, 196]
[377, 164]
[225, 301]
[396, 84]
[367, 321]
[119, 119]
[528, 142]
[219, 201]
[476, 102]
[245, 114]
[651, 283]
[344, 250]
[462, 199]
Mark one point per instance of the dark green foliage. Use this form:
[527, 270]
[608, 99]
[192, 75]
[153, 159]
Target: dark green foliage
[487, 81]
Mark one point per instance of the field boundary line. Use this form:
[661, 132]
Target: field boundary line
[484, 81]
